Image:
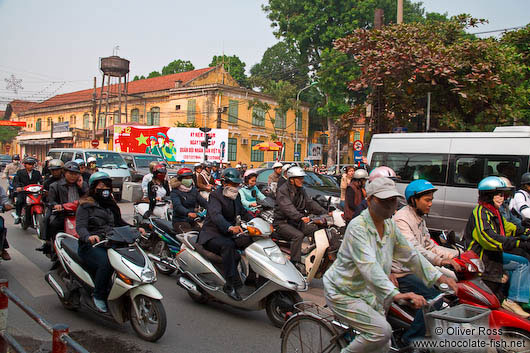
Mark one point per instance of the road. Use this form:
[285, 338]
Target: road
[191, 327]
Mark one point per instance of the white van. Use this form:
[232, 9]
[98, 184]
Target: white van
[455, 163]
[107, 161]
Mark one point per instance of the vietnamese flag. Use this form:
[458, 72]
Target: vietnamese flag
[139, 139]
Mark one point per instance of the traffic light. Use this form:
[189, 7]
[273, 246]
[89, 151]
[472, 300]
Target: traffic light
[106, 136]
[206, 141]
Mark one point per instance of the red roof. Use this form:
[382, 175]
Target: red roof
[18, 106]
[140, 86]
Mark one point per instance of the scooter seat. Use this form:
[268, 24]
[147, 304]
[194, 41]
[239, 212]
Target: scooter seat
[212, 257]
[71, 246]
[166, 226]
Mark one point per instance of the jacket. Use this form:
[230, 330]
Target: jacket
[415, 230]
[49, 181]
[344, 182]
[22, 178]
[151, 193]
[94, 219]
[247, 198]
[186, 202]
[482, 235]
[354, 203]
[273, 178]
[221, 214]
[203, 182]
[58, 193]
[12, 169]
[292, 203]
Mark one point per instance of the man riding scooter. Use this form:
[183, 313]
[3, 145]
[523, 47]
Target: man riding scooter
[4, 206]
[220, 226]
[13, 167]
[24, 177]
[55, 166]
[290, 214]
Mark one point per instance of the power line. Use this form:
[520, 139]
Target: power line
[500, 30]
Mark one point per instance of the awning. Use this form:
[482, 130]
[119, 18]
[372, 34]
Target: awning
[37, 142]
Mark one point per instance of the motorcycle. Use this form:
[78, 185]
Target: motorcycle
[11, 188]
[270, 280]
[32, 214]
[132, 296]
[162, 209]
[68, 210]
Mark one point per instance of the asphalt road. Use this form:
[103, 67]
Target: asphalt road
[192, 327]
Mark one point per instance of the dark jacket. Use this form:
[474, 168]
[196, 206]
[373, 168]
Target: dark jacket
[22, 179]
[354, 203]
[86, 176]
[49, 181]
[186, 202]
[58, 193]
[151, 193]
[292, 204]
[93, 219]
[222, 214]
[482, 235]
[281, 181]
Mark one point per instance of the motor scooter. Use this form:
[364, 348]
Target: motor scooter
[162, 209]
[132, 295]
[270, 280]
[68, 211]
[32, 214]
[11, 188]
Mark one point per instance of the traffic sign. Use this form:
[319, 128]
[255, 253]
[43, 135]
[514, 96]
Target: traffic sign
[297, 154]
[8, 147]
[95, 143]
[358, 145]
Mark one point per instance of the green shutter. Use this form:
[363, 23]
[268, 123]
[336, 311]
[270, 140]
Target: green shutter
[256, 156]
[149, 120]
[232, 149]
[279, 121]
[233, 110]
[117, 119]
[135, 115]
[258, 116]
[155, 116]
[298, 148]
[191, 111]
[299, 121]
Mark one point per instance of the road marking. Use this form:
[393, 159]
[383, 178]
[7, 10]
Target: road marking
[27, 274]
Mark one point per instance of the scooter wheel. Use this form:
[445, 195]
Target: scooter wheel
[23, 223]
[199, 299]
[39, 224]
[279, 304]
[151, 325]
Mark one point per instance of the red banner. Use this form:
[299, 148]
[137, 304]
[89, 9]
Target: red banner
[12, 123]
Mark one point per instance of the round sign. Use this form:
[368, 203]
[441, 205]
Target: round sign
[358, 145]
[8, 147]
[95, 143]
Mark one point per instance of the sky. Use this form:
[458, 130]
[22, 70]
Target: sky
[54, 46]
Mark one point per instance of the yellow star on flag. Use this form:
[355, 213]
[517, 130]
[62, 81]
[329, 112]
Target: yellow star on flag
[142, 140]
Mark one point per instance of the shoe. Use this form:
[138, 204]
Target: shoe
[232, 292]
[45, 248]
[514, 308]
[300, 267]
[17, 219]
[5, 255]
[100, 305]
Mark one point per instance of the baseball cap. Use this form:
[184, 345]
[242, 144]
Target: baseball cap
[382, 188]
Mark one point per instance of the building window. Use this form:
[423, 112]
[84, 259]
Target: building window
[232, 149]
[356, 136]
[233, 107]
[101, 121]
[61, 119]
[258, 116]
[38, 125]
[153, 117]
[135, 116]
[86, 121]
[299, 121]
[298, 148]
[256, 156]
[72, 120]
[279, 120]
[49, 122]
[190, 114]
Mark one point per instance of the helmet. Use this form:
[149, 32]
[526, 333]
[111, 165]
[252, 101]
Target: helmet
[417, 188]
[55, 164]
[285, 167]
[29, 160]
[232, 175]
[90, 160]
[382, 171]
[80, 161]
[360, 174]
[492, 184]
[72, 166]
[249, 174]
[99, 176]
[16, 157]
[277, 165]
[152, 166]
[197, 165]
[215, 164]
[509, 183]
[159, 169]
[238, 165]
[49, 158]
[525, 179]
[184, 172]
[295, 172]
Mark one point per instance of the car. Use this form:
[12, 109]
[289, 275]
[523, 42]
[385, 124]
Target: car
[315, 185]
[303, 165]
[5, 159]
[138, 164]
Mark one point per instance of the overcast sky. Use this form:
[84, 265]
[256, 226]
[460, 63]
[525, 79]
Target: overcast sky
[54, 46]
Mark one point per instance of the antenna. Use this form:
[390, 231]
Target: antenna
[115, 50]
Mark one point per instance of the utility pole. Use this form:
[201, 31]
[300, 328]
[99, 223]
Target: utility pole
[94, 107]
[399, 11]
[428, 123]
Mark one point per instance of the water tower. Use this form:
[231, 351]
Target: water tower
[114, 69]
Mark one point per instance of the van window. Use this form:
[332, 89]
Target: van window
[145, 160]
[412, 166]
[110, 160]
[129, 161]
[264, 176]
[67, 156]
[78, 155]
[468, 170]
[504, 167]
[54, 154]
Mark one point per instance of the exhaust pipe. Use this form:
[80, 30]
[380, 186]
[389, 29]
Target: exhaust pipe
[162, 261]
[188, 285]
[54, 284]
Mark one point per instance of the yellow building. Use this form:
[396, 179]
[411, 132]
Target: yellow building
[207, 97]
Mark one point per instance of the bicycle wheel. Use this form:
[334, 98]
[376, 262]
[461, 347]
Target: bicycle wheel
[308, 334]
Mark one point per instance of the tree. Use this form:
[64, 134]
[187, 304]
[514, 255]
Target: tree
[471, 80]
[234, 66]
[313, 25]
[154, 74]
[8, 133]
[136, 78]
[177, 66]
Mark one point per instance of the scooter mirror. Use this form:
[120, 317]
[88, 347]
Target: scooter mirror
[451, 237]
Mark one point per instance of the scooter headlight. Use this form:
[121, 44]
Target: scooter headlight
[471, 268]
[148, 275]
[479, 264]
[275, 255]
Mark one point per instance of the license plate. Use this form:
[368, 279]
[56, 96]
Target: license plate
[115, 189]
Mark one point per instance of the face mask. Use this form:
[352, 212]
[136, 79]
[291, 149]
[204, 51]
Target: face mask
[187, 182]
[103, 194]
[385, 212]
[231, 192]
[160, 177]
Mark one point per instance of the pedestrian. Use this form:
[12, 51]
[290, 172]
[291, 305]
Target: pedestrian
[344, 182]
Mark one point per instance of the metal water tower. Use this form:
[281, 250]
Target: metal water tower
[114, 69]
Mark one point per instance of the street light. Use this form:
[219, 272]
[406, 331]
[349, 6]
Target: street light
[296, 120]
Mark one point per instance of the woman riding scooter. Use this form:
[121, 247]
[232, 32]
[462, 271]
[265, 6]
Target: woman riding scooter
[186, 199]
[250, 193]
[157, 189]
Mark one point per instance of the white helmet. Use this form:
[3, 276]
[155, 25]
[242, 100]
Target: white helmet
[277, 165]
[90, 160]
[238, 165]
[360, 174]
[285, 167]
[295, 172]
[49, 158]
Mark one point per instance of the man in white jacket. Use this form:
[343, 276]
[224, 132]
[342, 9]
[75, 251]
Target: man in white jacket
[520, 203]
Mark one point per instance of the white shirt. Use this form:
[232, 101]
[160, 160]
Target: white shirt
[520, 203]
[146, 179]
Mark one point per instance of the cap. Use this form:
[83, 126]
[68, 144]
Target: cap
[382, 188]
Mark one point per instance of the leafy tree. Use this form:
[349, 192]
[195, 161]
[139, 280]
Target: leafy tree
[136, 78]
[177, 66]
[154, 74]
[234, 66]
[8, 133]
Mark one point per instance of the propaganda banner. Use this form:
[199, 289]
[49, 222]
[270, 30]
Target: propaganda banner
[175, 144]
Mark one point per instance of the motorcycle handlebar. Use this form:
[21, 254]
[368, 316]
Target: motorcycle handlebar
[99, 243]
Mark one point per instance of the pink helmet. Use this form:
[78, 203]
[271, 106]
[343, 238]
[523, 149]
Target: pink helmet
[382, 171]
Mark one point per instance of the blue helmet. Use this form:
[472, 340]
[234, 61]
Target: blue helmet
[99, 176]
[492, 184]
[418, 187]
[80, 161]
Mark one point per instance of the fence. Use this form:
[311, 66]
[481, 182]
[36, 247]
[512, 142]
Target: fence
[60, 338]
